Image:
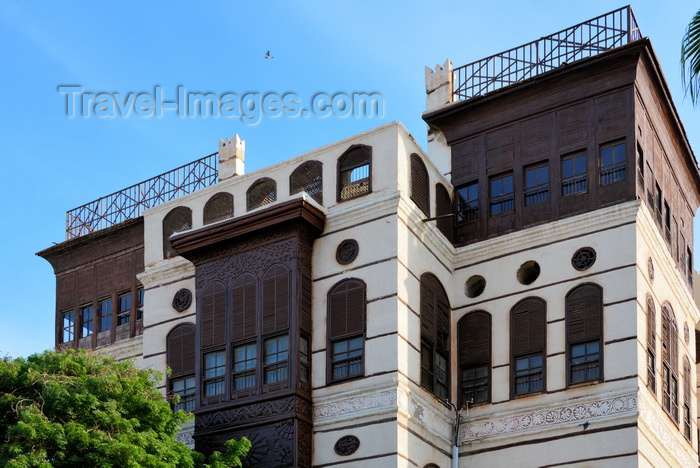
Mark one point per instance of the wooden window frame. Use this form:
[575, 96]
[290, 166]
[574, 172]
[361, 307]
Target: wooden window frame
[280, 364]
[599, 338]
[70, 328]
[539, 190]
[124, 316]
[109, 317]
[504, 200]
[171, 354]
[669, 343]
[420, 189]
[360, 333]
[577, 177]
[343, 169]
[687, 401]
[91, 308]
[529, 305]
[613, 169]
[431, 340]
[466, 364]
[651, 345]
[444, 211]
[465, 213]
[247, 372]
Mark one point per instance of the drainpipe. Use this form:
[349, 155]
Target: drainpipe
[455, 442]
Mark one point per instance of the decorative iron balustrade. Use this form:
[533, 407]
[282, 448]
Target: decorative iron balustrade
[132, 201]
[584, 40]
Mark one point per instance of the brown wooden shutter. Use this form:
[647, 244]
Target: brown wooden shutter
[275, 299]
[420, 184]
[686, 380]
[427, 308]
[528, 327]
[651, 323]
[244, 307]
[306, 300]
[308, 178]
[474, 335]
[443, 206]
[584, 313]
[177, 220]
[665, 335]
[346, 313]
[434, 312]
[180, 349]
[219, 207]
[213, 315]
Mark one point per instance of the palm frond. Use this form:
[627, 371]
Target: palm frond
[690, 59]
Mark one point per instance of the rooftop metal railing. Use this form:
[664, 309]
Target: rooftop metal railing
[584, 40]
[132, 201]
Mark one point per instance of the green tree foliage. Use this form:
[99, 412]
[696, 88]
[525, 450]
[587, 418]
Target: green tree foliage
[690, 59]
[76, 408]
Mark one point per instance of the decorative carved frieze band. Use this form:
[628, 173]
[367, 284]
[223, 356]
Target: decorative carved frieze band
[358, 404]
[659, 429]
[546, 418]
[186, 438]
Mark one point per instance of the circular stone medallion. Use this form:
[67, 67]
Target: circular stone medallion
[182, 300]
[583, 258]
[347, 445]
[347, 251]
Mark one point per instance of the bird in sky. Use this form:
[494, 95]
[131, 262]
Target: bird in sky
[268, 56]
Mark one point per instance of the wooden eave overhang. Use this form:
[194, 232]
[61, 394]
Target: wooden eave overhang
[190, 243]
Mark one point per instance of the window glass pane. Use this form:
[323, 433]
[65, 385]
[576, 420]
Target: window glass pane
[543, 175]
[87, 318]
[346, 360]
[275, 359]
[606, 156]
[568, 168]
[214, 370]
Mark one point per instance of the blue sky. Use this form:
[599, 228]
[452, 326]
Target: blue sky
[52, 163]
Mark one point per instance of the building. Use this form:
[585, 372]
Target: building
[521, 295]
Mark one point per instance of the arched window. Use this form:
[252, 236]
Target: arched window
[177, 220]
[669, 368]
[584, 333]
[355, 172]
[474, 338]
[261, 193]
[435, 337]
[443, 207]
[308, 178]
[244, 332]
[275, 318]
[420, 184]
[180, 356]
[687, 398]
[212, 338]
[651, 344]
[219, 207]
[528, 349]
[346, 330]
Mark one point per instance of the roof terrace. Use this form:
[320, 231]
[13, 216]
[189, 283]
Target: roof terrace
[581, 41]
[132, 201]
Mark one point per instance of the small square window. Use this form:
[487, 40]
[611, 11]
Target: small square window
[214, 370]
[276, 360]
[574, 176]
[68, 319]
[502, 194]
[536, 184]
[244, 365]
[613, 163]
[346, 360]
[185, 389]
[468, 203]
[124, 315]
[585, 362]
[87, 319]
[105, 315]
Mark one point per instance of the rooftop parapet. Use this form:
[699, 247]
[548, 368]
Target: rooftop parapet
[581, 41]
[132, 201]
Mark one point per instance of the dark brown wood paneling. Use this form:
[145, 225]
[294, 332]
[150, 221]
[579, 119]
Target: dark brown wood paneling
[244, 307]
